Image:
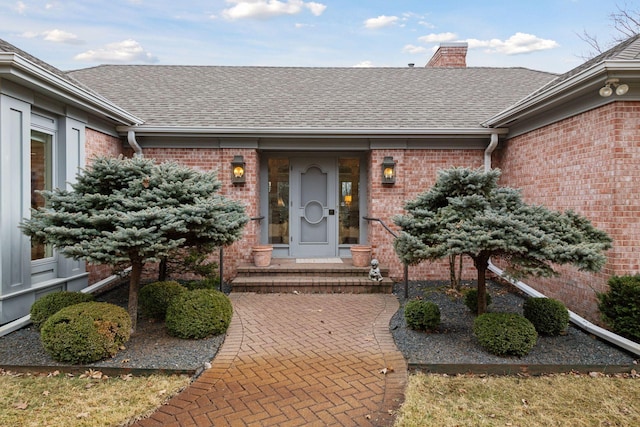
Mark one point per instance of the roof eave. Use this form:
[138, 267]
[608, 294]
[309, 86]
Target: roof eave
[588, 79]
[372, 133]
[20, 70]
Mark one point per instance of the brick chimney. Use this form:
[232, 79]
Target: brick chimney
[449, 55]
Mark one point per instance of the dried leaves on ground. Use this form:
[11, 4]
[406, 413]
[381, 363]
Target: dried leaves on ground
[89, 399]
[551, 400]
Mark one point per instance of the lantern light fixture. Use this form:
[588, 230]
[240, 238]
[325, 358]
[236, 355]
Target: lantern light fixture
[388, 171]
[238, 170]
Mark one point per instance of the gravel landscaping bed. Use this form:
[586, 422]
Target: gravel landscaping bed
[454, 342]
[151, 347]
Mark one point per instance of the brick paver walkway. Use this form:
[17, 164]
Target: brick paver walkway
[298, 360]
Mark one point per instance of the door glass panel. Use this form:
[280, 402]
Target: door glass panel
[278, 200]
[41, 179]
[349, 201]
[313, 198]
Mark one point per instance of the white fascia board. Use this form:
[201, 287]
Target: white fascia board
[309, 132]
[25, 71]
[564, 90]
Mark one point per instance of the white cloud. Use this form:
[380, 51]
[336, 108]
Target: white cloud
[59, 36]
[364, 64]
[20, 7]
[516, 44]
[414, 49]
[380, 22]
[262, 9]
[56, 36]
[126, 51]
[438, 38]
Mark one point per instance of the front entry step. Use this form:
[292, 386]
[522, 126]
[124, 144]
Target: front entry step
[287, 276]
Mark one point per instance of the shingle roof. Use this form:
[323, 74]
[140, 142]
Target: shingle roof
[312, 98]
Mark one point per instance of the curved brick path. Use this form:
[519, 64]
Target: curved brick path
[298, 360]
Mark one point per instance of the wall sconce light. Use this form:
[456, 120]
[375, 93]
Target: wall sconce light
[607, 89]
[238, 170]
[388, 171]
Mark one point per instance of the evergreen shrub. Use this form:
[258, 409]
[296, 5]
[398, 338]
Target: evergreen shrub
[199, 313]
[50, 304]
[505, 334]
[471, 300]
[549, 316]
[86, 332]
[620, 306]
[422, 315]
[208, 283]
[155, 297]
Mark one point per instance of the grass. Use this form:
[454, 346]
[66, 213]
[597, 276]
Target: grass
[552, 400]
[91, 399]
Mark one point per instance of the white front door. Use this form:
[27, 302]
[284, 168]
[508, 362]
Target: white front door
[314, 210]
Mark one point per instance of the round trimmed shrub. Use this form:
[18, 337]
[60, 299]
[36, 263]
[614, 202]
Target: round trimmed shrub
[471, 300]
[505, 334]
[50, 304]
[209, 283]
[549, 316]
[154, 298]
[86, 332]
[199, 313]
[422, 315]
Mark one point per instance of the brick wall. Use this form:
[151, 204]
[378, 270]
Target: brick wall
[589, 164]
[416, 172]
[100, 144]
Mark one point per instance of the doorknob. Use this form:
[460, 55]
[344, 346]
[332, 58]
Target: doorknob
[332, 211]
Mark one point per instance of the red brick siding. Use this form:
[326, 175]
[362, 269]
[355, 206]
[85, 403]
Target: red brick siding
[416, 172]
[589, 164]
[100, 144]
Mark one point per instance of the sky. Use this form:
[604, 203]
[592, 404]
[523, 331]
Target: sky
[540, 35]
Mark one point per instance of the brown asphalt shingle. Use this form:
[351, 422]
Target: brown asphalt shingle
[312, 98]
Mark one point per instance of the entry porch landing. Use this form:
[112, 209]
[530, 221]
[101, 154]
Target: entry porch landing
[310, 275]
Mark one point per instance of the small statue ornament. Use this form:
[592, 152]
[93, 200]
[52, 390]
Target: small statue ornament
[374, 272]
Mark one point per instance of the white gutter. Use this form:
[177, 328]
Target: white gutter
[374, 133]
[131, 138]
[490, 149]
[582, 323]
[26, 320]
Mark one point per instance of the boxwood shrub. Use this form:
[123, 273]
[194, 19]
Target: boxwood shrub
[549, 316]
[50, 304]
[471, 300]
[422, 315]
[86, 332]
[155, 297]
[620, 306]
[505, 334]
[199, 313]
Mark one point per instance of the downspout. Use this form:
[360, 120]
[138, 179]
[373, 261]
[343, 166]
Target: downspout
[131, 138]
[489, 150]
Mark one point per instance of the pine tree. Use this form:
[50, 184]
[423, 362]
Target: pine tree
[466, 213]
[124, 212]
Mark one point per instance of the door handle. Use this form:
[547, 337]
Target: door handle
[332, 211]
